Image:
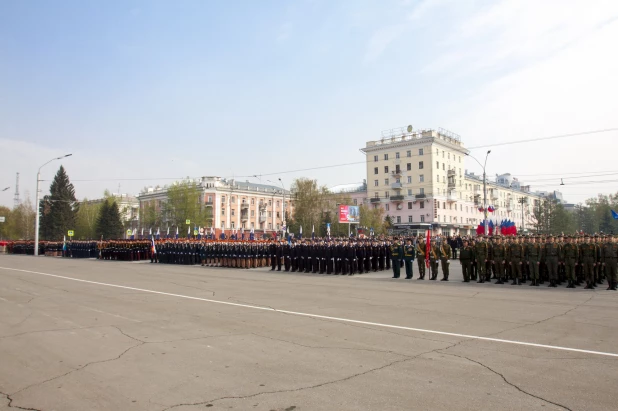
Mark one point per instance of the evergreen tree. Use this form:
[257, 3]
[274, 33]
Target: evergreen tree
[58, 209]
[109, 223]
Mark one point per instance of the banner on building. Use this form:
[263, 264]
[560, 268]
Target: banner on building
[349, 214]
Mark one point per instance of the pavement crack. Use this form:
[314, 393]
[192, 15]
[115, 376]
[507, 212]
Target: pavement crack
[10, 404]
[543, 320]
[504, 379]
[242, 397]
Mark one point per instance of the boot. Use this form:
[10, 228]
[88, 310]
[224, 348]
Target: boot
[588, 286]
[479, 281]
[554, 284]
[609, 285]
[514, 281]
[519, 282]
[551, 283]
[532, 282]
[614, 286]
[570, 284]
[499, 281]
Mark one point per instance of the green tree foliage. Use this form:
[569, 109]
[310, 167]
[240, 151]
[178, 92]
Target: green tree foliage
[311, 203]
[58, 209]
[184, 202]
[109, 224]
[19, 222]
[372, 217]
[86, 220]
[550, 217]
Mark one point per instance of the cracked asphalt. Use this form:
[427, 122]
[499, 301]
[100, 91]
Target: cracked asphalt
[69, 345]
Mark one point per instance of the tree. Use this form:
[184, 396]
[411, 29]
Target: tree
[86, 219]
[109, 224]
[184, 202]
[311, 202]
[550, 217]
[58, 209]
[5, 228]
[372, 217]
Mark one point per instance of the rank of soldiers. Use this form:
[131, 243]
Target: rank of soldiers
[575, 260]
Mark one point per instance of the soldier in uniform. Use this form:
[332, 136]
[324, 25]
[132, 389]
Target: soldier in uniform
[516, 252]
[610, 260]
[533, 257]
[499, 258]
[481, 254]
[420, 255]
[408, 258]
[434, 258]
[570, 256]
[466, 256]
[446, 253]
[396, 253]
[551, 254]
[588, 255]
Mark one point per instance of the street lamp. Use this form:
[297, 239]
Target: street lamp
[485, 225]
[38, 207]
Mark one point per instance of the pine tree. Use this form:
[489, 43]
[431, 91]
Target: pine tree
[58, 209]
[109, 223]
[102, 223]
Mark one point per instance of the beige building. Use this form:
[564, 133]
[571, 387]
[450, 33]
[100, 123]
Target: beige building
[235, 205]
[419, 177]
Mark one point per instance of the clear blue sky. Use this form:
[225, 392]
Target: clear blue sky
[144, 89]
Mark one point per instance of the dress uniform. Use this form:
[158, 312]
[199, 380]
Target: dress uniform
[481, 254]
[466, 256]
[446, 253]
[420, 255]
[408, 258]
[396, 253]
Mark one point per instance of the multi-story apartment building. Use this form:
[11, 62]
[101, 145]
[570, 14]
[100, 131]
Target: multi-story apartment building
[420, 179]
[128, 206]
[235, 205]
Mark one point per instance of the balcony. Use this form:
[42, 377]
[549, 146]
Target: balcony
[396, 173]
[396, 186]
[208, 203]
[244, 206]
[452, 196]
[420, 196]
[450, 173]
[396, 198]
[244, 217]
[263, 218]
[375, 200]
[451, 183]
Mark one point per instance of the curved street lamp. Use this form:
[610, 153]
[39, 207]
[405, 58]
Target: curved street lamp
[485, 225]
[38, 207]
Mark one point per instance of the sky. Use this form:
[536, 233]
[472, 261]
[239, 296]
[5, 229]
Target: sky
[145, 92]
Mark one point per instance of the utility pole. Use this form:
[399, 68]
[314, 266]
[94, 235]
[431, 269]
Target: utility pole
[485, 222]
[16, 200]
[522, 201]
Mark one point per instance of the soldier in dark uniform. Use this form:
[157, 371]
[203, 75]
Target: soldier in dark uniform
[466, 256]
[408, 257]
[396, 253]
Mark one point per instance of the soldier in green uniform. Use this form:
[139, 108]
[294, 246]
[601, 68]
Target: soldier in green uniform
[396, 255]
[434, 257]
[533, 257]
[499, 256]
[569, 256]
[588, 256]
[408, 258]
[420, 255]
[466, 256]
[446, 253]
[610, 261]
[551, 253]
[481, 253]
[516, 252]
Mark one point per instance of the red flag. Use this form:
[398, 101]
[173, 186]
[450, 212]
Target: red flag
[427, 248]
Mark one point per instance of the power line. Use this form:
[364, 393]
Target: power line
[583, 133]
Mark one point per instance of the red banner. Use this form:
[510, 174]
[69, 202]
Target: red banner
[427, 248]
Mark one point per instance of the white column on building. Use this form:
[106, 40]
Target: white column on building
[238, 223]
[228, 206]
[216, 209]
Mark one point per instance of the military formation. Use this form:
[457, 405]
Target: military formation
[586, 260]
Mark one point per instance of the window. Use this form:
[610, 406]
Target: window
[233, 211]
[420, 151]
[438, 165]
[278, 214]
[386, 169]
[409, 191]
[277, 227]
[223, 199]
[397, 154]
[244, 226]
[270, 203]
[210, 199]
[421, 178]
[386, 156]
[386, 182]
[460, 159]
[375, 183]
[420, 165]
[409, 219]
[444, 205]
[443, 167]
[232, 224]
[270, 214]
[233, 199]
[270, 226]
[437, 204]
[386, 207]
[397, 170]
[422, 219]
[253, 201]
[222, 225]
[421, 190]
[443, 179]
[409, 153]
[442, 153]
[438, 179]
[375, 170]
[277, 203]
[409, 179]
[375, 158]
[355, 201]
[387, 194]
[409, 205]
[409, 166]
[398, 219]
[252, 213]
[422, 204]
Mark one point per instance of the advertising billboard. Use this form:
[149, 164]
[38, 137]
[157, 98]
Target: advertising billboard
[349, 214]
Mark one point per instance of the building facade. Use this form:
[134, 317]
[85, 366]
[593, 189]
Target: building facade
[420, 179]
[234, 205]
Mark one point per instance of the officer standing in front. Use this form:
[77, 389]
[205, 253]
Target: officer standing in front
[408, 258]
[396, 253]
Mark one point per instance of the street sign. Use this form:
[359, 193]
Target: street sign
[2, 219]
[195, 232]
[188, 222]
[71, 233]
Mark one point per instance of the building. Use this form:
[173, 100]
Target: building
[420, 179]
[128, 206]
[235, 205]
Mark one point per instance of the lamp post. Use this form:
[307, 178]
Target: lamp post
[522, 201]
[486, 228]
[38, 207]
